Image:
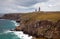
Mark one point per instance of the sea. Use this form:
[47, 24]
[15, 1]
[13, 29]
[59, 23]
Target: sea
[6, 33]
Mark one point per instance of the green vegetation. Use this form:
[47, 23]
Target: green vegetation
[53, 16]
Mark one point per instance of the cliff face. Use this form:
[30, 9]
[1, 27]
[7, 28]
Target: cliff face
[38, 24]
[11, 16]
[44, 28]
[41, 25]
[15, 16]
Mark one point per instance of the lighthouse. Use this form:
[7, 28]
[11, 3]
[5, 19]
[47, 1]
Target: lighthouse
[39, 9]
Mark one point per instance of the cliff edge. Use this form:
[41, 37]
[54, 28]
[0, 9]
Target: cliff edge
[42, 25]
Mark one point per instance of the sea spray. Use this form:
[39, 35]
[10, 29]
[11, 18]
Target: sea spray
[16, 24]
[8, 35]
[5, 27]
[20, 34]
[5, 33]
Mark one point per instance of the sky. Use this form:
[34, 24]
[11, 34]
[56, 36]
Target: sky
[16, 6]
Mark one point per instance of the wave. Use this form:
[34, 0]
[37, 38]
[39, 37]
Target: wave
[21, 35]
[8, 31]
[5, 32]
[16, 24]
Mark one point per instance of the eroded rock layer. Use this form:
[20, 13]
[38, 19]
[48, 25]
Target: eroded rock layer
[44, 28]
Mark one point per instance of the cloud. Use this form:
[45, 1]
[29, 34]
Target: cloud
[21, 2]
[28, 2]
[51, 5]
[10, 6]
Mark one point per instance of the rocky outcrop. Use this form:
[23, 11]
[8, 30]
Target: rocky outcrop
[38, 24]
[44, 28]
[15, 17]
[11, 16]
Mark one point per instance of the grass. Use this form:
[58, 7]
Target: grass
[53, 16]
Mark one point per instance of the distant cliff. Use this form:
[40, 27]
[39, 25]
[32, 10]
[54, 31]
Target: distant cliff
[15, 16]
[38, 24]
[11, 16]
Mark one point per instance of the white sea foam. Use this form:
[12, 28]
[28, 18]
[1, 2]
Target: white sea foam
[21, 35]
[16, 24]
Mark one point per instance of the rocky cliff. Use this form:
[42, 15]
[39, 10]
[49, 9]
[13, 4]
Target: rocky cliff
[42, 29]
[42, 25]
[11, 16]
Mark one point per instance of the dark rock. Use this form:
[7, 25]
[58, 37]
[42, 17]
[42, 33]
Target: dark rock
[44, 28]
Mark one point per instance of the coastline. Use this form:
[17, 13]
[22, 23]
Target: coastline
[20, 33]
[39, 24]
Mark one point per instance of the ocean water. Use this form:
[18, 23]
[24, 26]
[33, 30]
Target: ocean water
[5, 33]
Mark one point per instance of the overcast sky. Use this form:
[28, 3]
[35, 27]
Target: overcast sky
[10, 6]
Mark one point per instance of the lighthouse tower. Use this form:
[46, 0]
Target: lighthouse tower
[39, 9]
